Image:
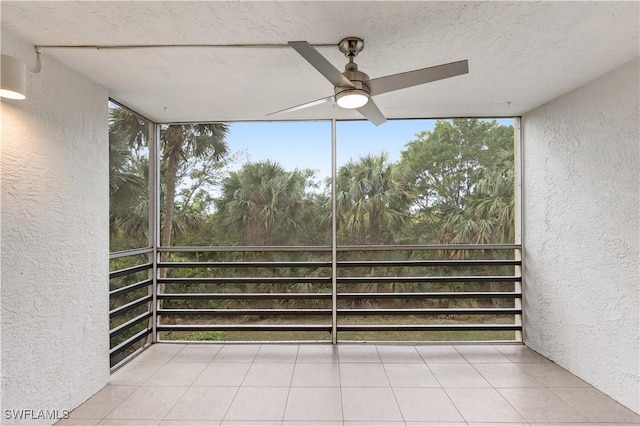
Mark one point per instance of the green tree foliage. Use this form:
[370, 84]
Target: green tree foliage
[372, 199]
[462, 175]
[263, 204]
[183, 144]
[128, 177]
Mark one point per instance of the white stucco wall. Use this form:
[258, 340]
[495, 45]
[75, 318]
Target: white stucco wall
[54, 240]
[581, 232]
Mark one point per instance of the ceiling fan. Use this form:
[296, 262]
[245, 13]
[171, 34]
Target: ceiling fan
[354, 90]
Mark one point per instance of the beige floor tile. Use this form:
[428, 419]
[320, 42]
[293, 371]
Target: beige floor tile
[103, 402]
[236, 353]
[203, 403]
[358, 353]
[551, 375]
[596, 406]
[516, 424]
[410, 376]
[370, 404]
[259, 404]
[398, 353]
[176, 374]
[77, 422]
[541, 405]
[483, 405]
[197, 353]
[611, 424]
[506, 376]
[520, 353]
[160, 352]
[148, 403]
[314, 404]
[135, 373]
[458, 376]
[363, 375]
[426, 405]
[481, 354]
[439, 424]
[269, 374]
[440, 355]
[223, 374]
[317, 353]
[493, 385]
[277, 353]
[316, 375]
[557, 424]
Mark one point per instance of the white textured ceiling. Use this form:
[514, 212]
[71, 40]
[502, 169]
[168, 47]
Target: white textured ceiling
[521, 54]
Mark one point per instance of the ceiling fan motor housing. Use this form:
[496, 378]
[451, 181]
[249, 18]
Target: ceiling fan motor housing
[357, 78]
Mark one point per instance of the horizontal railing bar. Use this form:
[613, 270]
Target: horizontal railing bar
[124, 345]
[313, 311]
[241, 296]
[419, 311]
[236, 249]
[129, 306]
[246, 280]
[129, 288]
[345, 248]
[127, 325]
[430, 247]
[195, 312]
[132, 252]
[443, 295]
[459, 278]
[130, 270]
[256, 327]
[385, 263]
[343, 263]
[433, 327]
[243, 264]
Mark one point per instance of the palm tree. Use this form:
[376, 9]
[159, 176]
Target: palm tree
[179, 143]
[128, 177]
[489, 215]
[372, 199]
[263, 203]
[129, 133]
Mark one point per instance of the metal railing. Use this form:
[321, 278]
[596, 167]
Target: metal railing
[130, 303]
[384, 293]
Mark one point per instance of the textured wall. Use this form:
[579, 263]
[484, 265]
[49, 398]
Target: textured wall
[581, 226]
[54, 241]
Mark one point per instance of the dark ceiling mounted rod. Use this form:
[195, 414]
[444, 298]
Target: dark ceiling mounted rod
[173, 46]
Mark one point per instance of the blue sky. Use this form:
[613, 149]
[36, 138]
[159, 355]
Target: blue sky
[307, 144]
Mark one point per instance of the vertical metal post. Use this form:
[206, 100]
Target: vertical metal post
[518, 219]
[334, 237]
[154, 218]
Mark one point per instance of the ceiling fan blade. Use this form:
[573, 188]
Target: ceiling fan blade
[414, 78]
[371, 112]
[321, 63]
[303, 106]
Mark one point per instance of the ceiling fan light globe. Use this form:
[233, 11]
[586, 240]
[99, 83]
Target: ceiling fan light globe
[352, 99]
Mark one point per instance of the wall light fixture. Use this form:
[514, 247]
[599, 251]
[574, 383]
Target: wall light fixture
[13, 75]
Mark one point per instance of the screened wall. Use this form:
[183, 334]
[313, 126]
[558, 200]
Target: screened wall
[324, 230]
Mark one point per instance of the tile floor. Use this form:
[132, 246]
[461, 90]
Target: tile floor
[348, 384]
